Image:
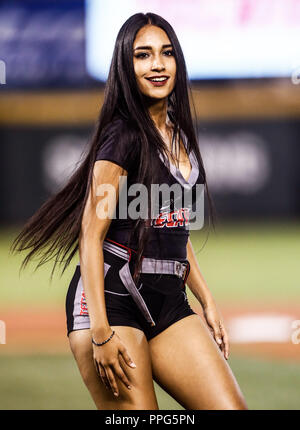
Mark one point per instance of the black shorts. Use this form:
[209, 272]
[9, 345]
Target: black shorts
[164, 295]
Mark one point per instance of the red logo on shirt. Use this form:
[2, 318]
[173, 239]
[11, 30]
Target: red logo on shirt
[177, 218]
[83, 305]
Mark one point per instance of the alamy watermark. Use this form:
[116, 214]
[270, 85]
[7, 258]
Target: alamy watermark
[170, 205]
[295, 77]
[2, 332]
[2, 72]
[296, 334]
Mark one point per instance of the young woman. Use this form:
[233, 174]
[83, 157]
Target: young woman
[128, 318]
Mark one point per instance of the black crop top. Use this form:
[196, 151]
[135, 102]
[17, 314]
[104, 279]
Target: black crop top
[169, 231]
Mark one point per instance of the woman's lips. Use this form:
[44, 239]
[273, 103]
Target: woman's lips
[157, 83]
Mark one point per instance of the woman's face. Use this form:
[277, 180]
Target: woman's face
[153, 57]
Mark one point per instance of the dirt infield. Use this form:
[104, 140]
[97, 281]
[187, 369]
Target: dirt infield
[44, 331]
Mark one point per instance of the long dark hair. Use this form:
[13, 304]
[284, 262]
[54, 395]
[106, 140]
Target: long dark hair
[53, 231]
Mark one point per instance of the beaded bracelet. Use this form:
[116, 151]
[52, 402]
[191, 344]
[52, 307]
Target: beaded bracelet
[102, 343]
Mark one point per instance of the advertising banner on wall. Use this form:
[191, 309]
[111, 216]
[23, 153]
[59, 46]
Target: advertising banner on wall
[252, 167]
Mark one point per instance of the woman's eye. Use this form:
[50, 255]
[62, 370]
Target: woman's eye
[143, 54]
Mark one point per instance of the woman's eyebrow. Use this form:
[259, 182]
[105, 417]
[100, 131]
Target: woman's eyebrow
[150, 47]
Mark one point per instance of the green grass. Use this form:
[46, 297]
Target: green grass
[268, 384]
[49, 382]
[53, 382]
[246, 262]
[30, 287]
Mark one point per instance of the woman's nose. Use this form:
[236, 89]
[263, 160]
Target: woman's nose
[157, 66]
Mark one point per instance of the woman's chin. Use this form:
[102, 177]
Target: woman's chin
[156, 96]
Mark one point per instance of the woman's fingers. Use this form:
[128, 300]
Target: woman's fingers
[121, 375]
[101, 373]
[112, 381]
[220, 335]
[217, 333]
[108, 373]
[126, 357]
[225, 341]
[104, 377]
[222, 338]
[97, 367]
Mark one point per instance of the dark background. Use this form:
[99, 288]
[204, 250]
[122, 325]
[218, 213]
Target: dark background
[251, 159]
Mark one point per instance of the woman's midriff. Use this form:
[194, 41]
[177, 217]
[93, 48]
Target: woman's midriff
[168, 245]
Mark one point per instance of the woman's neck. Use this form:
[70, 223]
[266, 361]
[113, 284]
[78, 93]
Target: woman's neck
[158, 113]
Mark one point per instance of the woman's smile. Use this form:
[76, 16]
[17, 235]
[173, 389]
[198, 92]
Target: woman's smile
[158, 81]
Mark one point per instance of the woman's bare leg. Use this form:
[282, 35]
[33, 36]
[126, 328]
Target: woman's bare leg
[188, 364]
[142, 394]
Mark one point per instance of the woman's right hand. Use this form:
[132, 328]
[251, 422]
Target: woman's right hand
[106, 360]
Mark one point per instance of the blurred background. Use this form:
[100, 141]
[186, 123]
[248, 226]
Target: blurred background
[243, 62]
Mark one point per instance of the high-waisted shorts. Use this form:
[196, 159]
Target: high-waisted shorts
[164, 295]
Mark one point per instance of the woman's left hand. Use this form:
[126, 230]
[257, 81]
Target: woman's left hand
[216, 326]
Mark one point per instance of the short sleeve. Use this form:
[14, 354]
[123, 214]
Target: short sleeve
[117, 145]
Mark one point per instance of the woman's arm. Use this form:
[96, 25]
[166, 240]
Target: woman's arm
[199, 288]
[195, 280]
[93, 232]
[94, 227]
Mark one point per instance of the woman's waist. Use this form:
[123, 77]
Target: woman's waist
[160, 245]
[119, 255]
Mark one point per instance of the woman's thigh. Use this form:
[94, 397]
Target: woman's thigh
[188, 364]
[142, 394]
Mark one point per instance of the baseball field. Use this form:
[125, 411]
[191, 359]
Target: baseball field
[252, 271]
